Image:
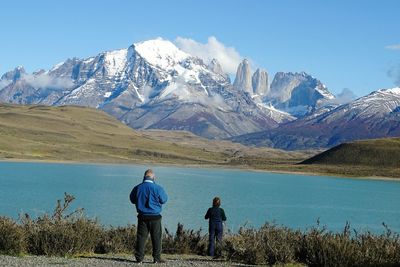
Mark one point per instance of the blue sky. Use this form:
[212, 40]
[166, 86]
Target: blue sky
[346, 44]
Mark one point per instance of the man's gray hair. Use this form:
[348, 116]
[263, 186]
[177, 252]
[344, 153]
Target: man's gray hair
[148, 172]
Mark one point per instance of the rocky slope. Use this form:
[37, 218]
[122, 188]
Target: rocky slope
[373, 116]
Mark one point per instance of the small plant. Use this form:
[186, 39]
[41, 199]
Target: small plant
[12, 239]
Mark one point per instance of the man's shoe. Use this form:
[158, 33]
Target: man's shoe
[159, 261]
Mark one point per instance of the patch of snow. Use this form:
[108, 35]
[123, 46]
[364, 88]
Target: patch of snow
[88, 60]
[395, 90]
[115, 61]
[161, 53]
[277, 115]
[324, 92]
[83, 89]
[55, 67]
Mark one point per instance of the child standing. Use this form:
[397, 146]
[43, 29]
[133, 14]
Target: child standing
[216, 216]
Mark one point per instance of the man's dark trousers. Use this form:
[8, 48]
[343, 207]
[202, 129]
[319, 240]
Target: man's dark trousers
[146, 226]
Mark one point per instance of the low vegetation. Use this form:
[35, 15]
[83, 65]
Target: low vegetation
[71, 234]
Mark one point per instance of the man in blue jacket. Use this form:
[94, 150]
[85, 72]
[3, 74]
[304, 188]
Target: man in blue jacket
[148, 198]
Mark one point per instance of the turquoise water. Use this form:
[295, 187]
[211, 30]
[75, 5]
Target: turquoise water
[248, 197]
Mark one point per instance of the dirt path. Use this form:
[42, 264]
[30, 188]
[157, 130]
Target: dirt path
[100, 260]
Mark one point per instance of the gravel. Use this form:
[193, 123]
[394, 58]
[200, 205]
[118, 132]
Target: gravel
[110, 260]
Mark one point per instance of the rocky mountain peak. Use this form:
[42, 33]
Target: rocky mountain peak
[260, 82]
[297, 93]
[215, 67]
[243, 77]
[160, 53]
[14, 75]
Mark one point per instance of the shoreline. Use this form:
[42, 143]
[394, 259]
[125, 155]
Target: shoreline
[215, 166]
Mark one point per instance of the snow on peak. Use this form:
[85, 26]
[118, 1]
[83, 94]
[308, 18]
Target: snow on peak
[161, 53]
[395, 90]
[115, 61]
[324, 92]
[57, 66]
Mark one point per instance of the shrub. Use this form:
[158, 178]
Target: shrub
[321, 248]
[184, 241]
[117, 240]
[61, 234]
[247, 246]
[11, 237]
[66, 234]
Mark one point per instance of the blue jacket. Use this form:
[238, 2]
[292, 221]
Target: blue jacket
[148, 197]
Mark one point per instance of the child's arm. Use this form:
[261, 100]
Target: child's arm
[223, 215]
[207, 214]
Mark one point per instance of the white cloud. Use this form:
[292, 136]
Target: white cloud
[394, 74]
[345, 96]
[46, 81]
[227, 56]
[4, 83]
[393, 47]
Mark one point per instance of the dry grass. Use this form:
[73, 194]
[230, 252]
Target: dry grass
[82, 134]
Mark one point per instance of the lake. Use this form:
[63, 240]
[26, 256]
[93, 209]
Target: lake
[251, 198]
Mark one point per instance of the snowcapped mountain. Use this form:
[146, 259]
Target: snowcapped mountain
[155, 85]
[151, 84]
[298, 93]
[373, 116]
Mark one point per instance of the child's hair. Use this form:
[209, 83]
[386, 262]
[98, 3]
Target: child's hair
[216, 202]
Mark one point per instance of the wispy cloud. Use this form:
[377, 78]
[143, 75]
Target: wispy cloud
[47, 81]
[227, 56]
[4, 83]
[394, 74]
[345, 96]
[393, 47]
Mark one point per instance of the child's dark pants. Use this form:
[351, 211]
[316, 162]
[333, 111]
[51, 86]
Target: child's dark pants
[215, 232]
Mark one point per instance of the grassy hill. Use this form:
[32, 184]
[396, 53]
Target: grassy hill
[83, 134]
[376, 152]
[377, 156]
[73, 133]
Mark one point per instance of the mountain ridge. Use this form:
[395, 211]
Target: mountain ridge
[155, 85]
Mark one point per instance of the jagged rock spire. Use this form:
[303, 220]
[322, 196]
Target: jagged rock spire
[260, 82]
[243, 77]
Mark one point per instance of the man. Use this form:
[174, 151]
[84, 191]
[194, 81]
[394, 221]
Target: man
[148, 198]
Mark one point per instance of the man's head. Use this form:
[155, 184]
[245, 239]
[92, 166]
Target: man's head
[149, 174]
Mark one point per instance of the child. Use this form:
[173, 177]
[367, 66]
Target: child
[216, 216]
